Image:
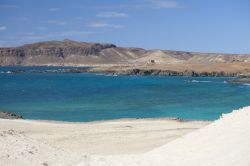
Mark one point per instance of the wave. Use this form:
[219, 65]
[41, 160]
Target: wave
[6, 72]
[108, 75]
[196, 81]
[111, 75]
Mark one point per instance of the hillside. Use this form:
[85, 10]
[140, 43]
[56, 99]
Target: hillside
[70, 52]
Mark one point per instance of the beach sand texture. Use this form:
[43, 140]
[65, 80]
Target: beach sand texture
[145, 142]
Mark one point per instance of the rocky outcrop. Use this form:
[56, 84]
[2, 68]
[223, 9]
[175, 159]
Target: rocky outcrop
[9, 115]
[242, 79]
[70, 52]
[143, 72]
[136, 71]
[158, 72]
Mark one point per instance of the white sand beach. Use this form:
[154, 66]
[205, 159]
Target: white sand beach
[143, 142]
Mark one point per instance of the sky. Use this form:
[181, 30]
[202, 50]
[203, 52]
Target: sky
[185, 25]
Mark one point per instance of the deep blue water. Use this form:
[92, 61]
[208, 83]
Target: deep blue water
[89, 97]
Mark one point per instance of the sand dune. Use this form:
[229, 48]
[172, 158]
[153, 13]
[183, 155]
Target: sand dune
[160, 142]
[222, 143]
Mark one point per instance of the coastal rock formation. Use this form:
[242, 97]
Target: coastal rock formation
[241, 80]
[138, 71]
[70, 52]
[171, 73]
[9, 115]
[194, 70]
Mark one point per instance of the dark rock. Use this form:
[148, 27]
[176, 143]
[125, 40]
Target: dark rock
[244, 80]
[159, 72]
[9, 115]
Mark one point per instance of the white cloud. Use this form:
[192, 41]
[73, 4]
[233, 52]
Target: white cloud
[41, 28]
[163, 3]
[111, 14]
[54, 9]
[105, 25]
[3, 28]
[144, 4]
[79, 18]
[57, 22]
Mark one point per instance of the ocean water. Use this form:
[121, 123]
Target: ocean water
[90, 97]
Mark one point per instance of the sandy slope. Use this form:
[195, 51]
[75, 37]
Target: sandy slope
[226, 142]
[18, 149]
[24, 142]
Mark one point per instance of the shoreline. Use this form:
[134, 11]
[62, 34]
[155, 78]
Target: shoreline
[102, 137]
[109, 120]
[239, 77]
[236, 69]
[143, 143]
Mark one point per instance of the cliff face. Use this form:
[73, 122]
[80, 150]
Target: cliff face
[69, 52]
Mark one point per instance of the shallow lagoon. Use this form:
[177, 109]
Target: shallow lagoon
[89, 97]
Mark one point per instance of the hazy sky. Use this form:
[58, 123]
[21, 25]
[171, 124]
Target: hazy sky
[191, 25]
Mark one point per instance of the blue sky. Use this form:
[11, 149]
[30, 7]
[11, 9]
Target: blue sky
[188, 25]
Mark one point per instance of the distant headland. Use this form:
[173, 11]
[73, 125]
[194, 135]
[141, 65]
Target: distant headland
[109, 58]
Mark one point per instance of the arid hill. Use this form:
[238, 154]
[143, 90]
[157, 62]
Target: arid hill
[70, 52]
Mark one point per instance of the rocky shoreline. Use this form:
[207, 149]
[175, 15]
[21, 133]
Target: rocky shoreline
[241, 78]
[135, 71]
[9, 115]
[156, 72]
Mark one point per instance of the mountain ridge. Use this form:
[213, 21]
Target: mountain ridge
[69, 52]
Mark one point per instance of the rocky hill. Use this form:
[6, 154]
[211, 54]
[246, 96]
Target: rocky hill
[70, 52]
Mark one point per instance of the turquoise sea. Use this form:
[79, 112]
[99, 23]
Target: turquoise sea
[90, 97]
